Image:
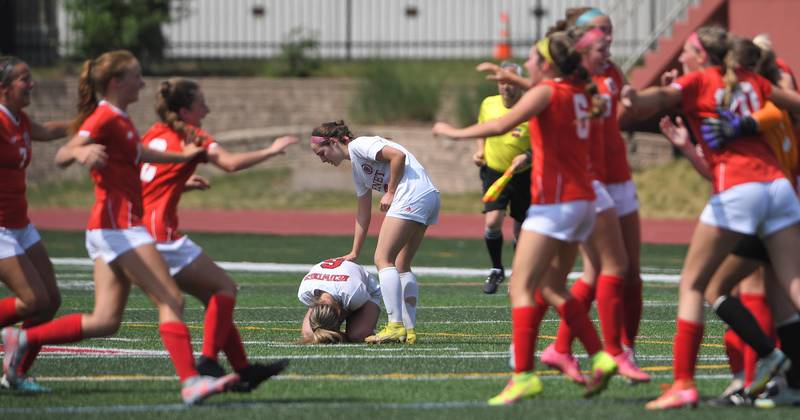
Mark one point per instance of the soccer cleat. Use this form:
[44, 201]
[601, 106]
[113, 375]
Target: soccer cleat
[411, 336]
[676, 396]
[496, 277]
[198, 388]
[734, 398]
[15, 344]
[393, 332]
[564, 362]
[253, 375]
[520, 386]
[25, 384]
[785, 397]
[627, 368]
[209, 367]
[776, 363]
[603, 368]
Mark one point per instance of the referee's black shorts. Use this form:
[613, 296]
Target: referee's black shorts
[517, 193]
[751, 247]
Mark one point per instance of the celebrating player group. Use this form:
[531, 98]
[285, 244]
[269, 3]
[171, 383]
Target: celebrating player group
[549, 148]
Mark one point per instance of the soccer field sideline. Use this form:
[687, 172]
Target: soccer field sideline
[648, 274]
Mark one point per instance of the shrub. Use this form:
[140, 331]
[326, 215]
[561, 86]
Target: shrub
[468, 101]
[104, 25]
[388, 95]
[299, 55]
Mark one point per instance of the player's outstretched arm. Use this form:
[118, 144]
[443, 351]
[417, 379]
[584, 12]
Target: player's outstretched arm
[83, 150]
[232, 162]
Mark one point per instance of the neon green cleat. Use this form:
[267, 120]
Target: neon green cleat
[520, 386]
[393, 332]
[603, 368]
[411, 336]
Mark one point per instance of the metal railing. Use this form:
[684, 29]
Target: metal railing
[256, 29]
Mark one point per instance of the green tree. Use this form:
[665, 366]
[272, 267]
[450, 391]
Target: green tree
[134, 25]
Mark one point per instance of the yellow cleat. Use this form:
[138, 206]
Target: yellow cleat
[603, 368]
[520, 386]
[393, 332]
[411, 336]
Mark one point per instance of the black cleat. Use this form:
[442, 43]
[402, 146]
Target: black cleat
[252, 376]
[496, 276]
[209, 367]
[737, 398]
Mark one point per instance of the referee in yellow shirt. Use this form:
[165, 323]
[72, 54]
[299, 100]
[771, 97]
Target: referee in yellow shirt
[494, 156]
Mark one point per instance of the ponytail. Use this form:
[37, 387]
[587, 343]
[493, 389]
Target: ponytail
[730, 79]
[87, 97]
[567, 61]
[172, 95]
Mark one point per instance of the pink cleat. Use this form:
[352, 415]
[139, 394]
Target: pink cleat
[564, 362]
[198, 388]
[676, 396]
[627, 368]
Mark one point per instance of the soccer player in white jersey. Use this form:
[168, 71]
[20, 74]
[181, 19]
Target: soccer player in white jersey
[411, 203]
[338, 291]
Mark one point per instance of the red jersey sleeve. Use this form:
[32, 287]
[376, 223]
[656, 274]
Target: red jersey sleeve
[689, 85]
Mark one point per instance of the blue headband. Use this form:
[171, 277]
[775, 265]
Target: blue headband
[587, 16]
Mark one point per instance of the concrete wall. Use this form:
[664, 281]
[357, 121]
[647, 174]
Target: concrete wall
[248, 113]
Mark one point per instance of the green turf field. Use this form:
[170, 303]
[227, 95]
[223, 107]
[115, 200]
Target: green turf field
[458, 363]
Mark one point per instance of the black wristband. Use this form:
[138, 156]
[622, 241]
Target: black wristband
[749, 126]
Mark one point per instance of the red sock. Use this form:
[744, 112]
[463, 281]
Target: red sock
[67, 329]
[8, 311]
[574, 314]
[758, 306]
[584, 294]
[632, 311]
[33, 350]
[523, 334]
[610, 310]
[685, 349]
[234, 350]
[217, 324]
[177, 341]
[735, 351]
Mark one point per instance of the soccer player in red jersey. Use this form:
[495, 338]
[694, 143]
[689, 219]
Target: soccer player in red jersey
[181, 107]
[123, 252]
[560, 99]
[750, 196]
[25, 267]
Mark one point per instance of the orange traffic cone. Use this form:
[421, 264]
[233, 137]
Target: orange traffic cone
[502, 51]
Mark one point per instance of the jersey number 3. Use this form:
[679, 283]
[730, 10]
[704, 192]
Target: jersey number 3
[332, 263]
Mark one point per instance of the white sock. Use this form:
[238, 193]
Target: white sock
[408, 281]
[392, 293]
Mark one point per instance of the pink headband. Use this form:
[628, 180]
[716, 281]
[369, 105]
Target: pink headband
[589, 38]
[694, 41]
[318, 140]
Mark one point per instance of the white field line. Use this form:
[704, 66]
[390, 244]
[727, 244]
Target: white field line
[335, 405]
[253, 267]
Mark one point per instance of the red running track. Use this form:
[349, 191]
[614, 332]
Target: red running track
[656, 231]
